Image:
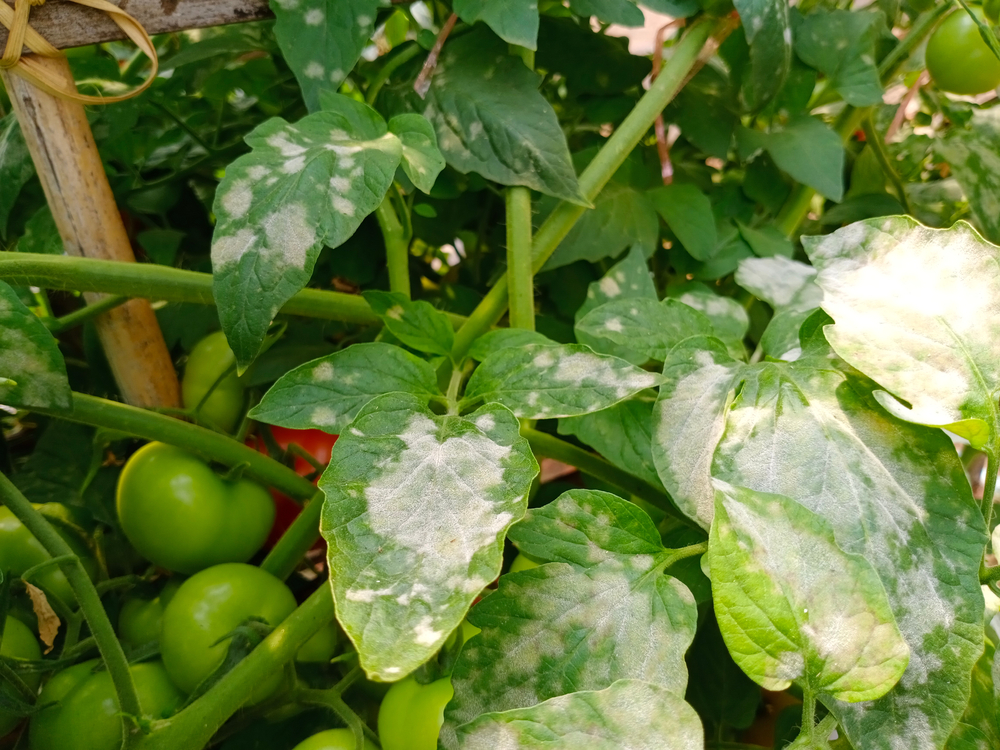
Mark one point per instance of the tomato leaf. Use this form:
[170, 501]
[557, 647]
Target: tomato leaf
[766, 241]
[980, 724]
[32, 369]
[629, 713]
[16, 167]
[790, 288]
[622, 12]
[417, 506]
[728, 317]
[793, 607]
[595, 616]
[652, 327]
[422, 160]
[321, 40]
[297, 190]
[494, 341]
[913, 310]
[841, 45]
[972, 154]
[515, 21]
[806, 148]
[688, 213]
[327, 393]
[769, 34]
[416, 324]
[561, 380]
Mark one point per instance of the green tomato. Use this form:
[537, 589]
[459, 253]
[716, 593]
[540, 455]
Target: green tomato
[958, 59]
[139, 619]
[208, 606]
[181, 515]
[209, 359]
[19, 550]
[411, 714]
[20, 643]
[322, 646]
[332, 739]
[85, 711]
[522, 562]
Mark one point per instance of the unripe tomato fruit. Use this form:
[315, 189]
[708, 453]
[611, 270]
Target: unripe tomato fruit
[411, 714]
[139, 619]
[20, 643]
[522, 562]
[208, 360]
[332, 739]
[19, 550]
[958, 59]
[181, 515]
[85, 711]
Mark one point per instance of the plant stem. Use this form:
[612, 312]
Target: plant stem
[877, 145]
[543, 444]
[298, 538]
[401, 58]
[81, 316]
[397, 249]
[686, 59]
[809, 717]
[86, 594]
[520, 275]
[213, 446]
[172, 284]
[683, 553]
[990, 488]
[194, 726]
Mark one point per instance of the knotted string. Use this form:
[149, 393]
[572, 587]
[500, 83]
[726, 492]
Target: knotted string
[22, 34]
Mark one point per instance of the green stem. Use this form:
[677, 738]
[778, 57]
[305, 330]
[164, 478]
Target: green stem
[685, 60]
[171, 284]
[685, 552]
[397, 249]
[543, 444]
[877, 145]
[86, 594]
[81, 316]
[809, 717]
[149, 425]
[298, 538]
[194, 726]
[988, 576]
[401, 58]
[990, 488]
[520, 275]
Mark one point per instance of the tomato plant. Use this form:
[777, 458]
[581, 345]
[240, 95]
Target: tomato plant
[534, 386]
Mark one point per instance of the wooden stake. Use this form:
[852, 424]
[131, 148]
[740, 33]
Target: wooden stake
[67, 161]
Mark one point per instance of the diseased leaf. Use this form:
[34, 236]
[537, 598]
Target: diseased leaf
[790, 288]
[416, 324]
[805, 148]
[728, 317]
[841, 45]
[601, 616]
[652, 327]
[16, 167]
[298, 189]
[793, 607]
[490, 117]
[620, 433]
[629, 714]
[561, 380]
[328, 393]
[980, 724]
[972, 154]
[768, 31]
[504, 338]
[321, 40]
[718, 689]
[918, 311]
[417, 506]
[514, 21]
[688, 213]
[32, 369]
[422, 160]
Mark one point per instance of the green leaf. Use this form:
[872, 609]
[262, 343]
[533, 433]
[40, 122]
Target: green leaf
[790, 288]
[688, 421]
[718, 689]
[841, 45]
[514, 21]
[972, 154]
[560, 380]
[41, 234]
[620, 433]
[601, 615]
[321, 40]
[32, 369]
[653, 328]
[297, 190]
[422, 160]
[769, 34]
[16, 167]
[328, 393]
[504, 338]
[728, 317]
[806, 149]
[490, 117]
[980, 724]
[914, 310]
[628, 714]
[622, 12]
[417, 506]
[622, 217]
[766, 241]
[416, 324]
[895, 493]
[629, 278]
[688, 213]
[793, 607]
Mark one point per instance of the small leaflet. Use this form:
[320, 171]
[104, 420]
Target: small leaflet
[767, 26]
[688, 213]
[806, 148]
[514, 21]
[416, 324]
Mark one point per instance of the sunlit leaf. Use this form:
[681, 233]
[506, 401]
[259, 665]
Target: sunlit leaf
[979, 726]
[422, 160]
[417, 506]
[504, 338]
[790, 288]
[728, 317]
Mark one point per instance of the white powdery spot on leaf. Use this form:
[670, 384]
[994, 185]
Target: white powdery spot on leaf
[323, 372]
[258, 172]
[342, 205]
[285, 147]
[314, 70]
[587, 369]
[314, 17]
[325, 416]
[290, 232]
[340, 184]
[294, 166]
[228, 249]
[609, 287]
[424, 633]
[238, 199]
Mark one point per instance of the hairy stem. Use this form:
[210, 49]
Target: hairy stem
[877, 145]
[520, 275]
[397, 249]
[298, 538]
[990, 488]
